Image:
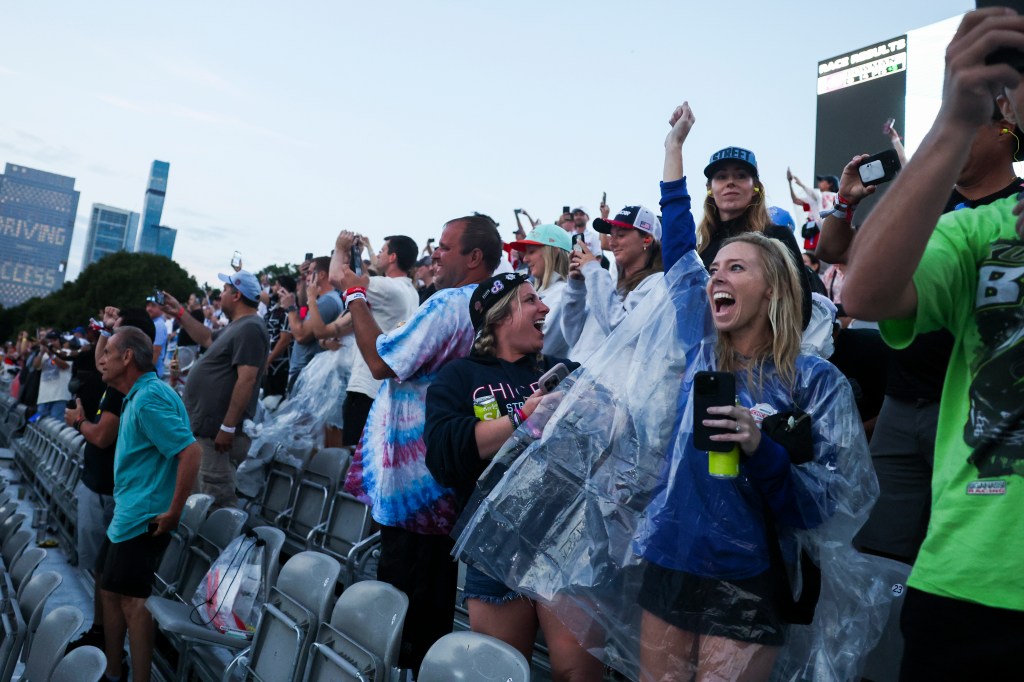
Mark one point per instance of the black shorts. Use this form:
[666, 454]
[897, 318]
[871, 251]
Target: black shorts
[742, 610]
[129, 566]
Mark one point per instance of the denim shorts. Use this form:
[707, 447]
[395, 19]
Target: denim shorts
[481, 586]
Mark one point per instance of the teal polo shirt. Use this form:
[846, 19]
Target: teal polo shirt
[154, 429]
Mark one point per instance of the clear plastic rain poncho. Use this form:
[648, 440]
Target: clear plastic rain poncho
[298, 423]
[613, 482]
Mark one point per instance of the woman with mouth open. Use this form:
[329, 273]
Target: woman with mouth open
[713, 564]
[473, 407]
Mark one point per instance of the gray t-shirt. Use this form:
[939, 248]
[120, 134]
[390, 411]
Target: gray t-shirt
[212, 378]
[330, 307]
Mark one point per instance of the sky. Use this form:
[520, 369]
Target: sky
[287, 122]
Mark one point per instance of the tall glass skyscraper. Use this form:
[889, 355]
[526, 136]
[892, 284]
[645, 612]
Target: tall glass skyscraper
[37, 219]
[110, 230]
[153, 237]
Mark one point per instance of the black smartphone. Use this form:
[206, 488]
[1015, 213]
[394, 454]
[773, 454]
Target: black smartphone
[565, 209]
[604, 198]
[710, 389]
[1004, 55]
[880, 168]
[355, 259]
[158, 296]
[577, 239]
[550, 379]
[309, 257]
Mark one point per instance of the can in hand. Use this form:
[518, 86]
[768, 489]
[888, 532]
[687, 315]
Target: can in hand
[486, 408]
[724, 464]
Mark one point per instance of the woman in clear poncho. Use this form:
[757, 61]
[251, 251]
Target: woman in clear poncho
[664, 570]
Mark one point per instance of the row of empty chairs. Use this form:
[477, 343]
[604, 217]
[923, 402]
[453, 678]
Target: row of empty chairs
[12, 420]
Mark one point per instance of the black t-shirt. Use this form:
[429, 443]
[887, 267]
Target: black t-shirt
[98, 463]
[918, 371]
[732, 228]
[449, 431]
[90, 384]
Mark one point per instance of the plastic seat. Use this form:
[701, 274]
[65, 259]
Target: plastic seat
[363, 637]
[281, 486]
[216, 532]
[316, 486]
[10, 526]
[192, 516]
[50, 640]
[14, 546]
[11, 637]
[344, 531]
[473, 657]
[21, 572]
[289, 621]
[84, 664]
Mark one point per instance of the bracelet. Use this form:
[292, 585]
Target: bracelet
[78, 424]
[228, 429]
[517, 417]
[292, 309]
[181, 312]
[842, 209]
[353, 290]
[355, 296]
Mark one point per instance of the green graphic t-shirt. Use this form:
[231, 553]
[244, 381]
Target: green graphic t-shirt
[971, 282]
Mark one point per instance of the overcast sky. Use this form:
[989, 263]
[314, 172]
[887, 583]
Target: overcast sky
[286, 122]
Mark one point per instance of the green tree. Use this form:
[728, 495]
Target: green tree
[121, 279]
[274, 271]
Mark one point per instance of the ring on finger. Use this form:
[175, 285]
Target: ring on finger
[738, 428]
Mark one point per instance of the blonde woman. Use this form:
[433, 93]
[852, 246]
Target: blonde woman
[546, 253]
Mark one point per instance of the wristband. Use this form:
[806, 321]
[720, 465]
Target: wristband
[181, 312]
[78, 424]
[104, 332]
[292, 309]
[228, 429]
[353, 290]
[517, 417]
[842, 209]
[355, 296]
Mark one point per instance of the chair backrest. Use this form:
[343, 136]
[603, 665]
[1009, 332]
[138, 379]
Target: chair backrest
[22, 570]
[315, 487]
[33, 602]
[192, 516]
[290, 618]
[13, 631]
[7, 510]
[84, 664]
[473, 657]
[371, 614]
[14, 546]
[10, 525]
[348, 523]
[273, 541]
[217, 531]
[50, 640]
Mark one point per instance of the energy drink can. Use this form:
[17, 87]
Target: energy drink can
[486, 408]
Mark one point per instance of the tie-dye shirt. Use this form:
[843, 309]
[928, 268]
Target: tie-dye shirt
[389, 470]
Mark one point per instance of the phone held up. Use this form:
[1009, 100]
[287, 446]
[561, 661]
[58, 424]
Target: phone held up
[356, 258]
[577, 242]
[565, 209]
[236, 260]
[549, 380]
[880, 168]
[711, 389]
[158, 295]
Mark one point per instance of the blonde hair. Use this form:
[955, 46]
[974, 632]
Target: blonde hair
[485, 342]
[784, 314]
[556, 260]
[755, 215]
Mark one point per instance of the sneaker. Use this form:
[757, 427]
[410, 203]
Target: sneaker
[91, 637]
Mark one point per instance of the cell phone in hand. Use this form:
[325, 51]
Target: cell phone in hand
[356, 258]
[309, 257]
[550, 379]
[565, 209]
[604, 198]
[887, 126]
[710, 389]
[236, 260]
[578, 242]
[158, 296]
[880, 168]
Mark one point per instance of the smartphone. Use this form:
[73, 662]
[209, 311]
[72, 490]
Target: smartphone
[604, 198]
[356, 258]
[887, 128]
[550, 379]
[236, 260]
[1004, 55]
[309, 257]
[710, 389]
[565, 209]
[158, 295]
[577, 242]
[880, 168]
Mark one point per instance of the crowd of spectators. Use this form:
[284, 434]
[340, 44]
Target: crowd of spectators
[434, 359]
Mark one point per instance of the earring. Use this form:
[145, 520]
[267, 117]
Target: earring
[709, 192]
[757, 190]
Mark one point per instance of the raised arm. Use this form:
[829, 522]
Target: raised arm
[678, 233]
[879, 277]
[837, 231]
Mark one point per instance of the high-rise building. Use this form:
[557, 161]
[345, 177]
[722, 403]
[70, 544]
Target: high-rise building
[110, 230]
[37, 219]
[153, 237]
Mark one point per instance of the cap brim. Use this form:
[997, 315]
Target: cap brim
[224, 278]
[709, 170]
[523, 243]
[605, 226]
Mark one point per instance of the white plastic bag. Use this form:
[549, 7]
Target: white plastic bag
[230, 595]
